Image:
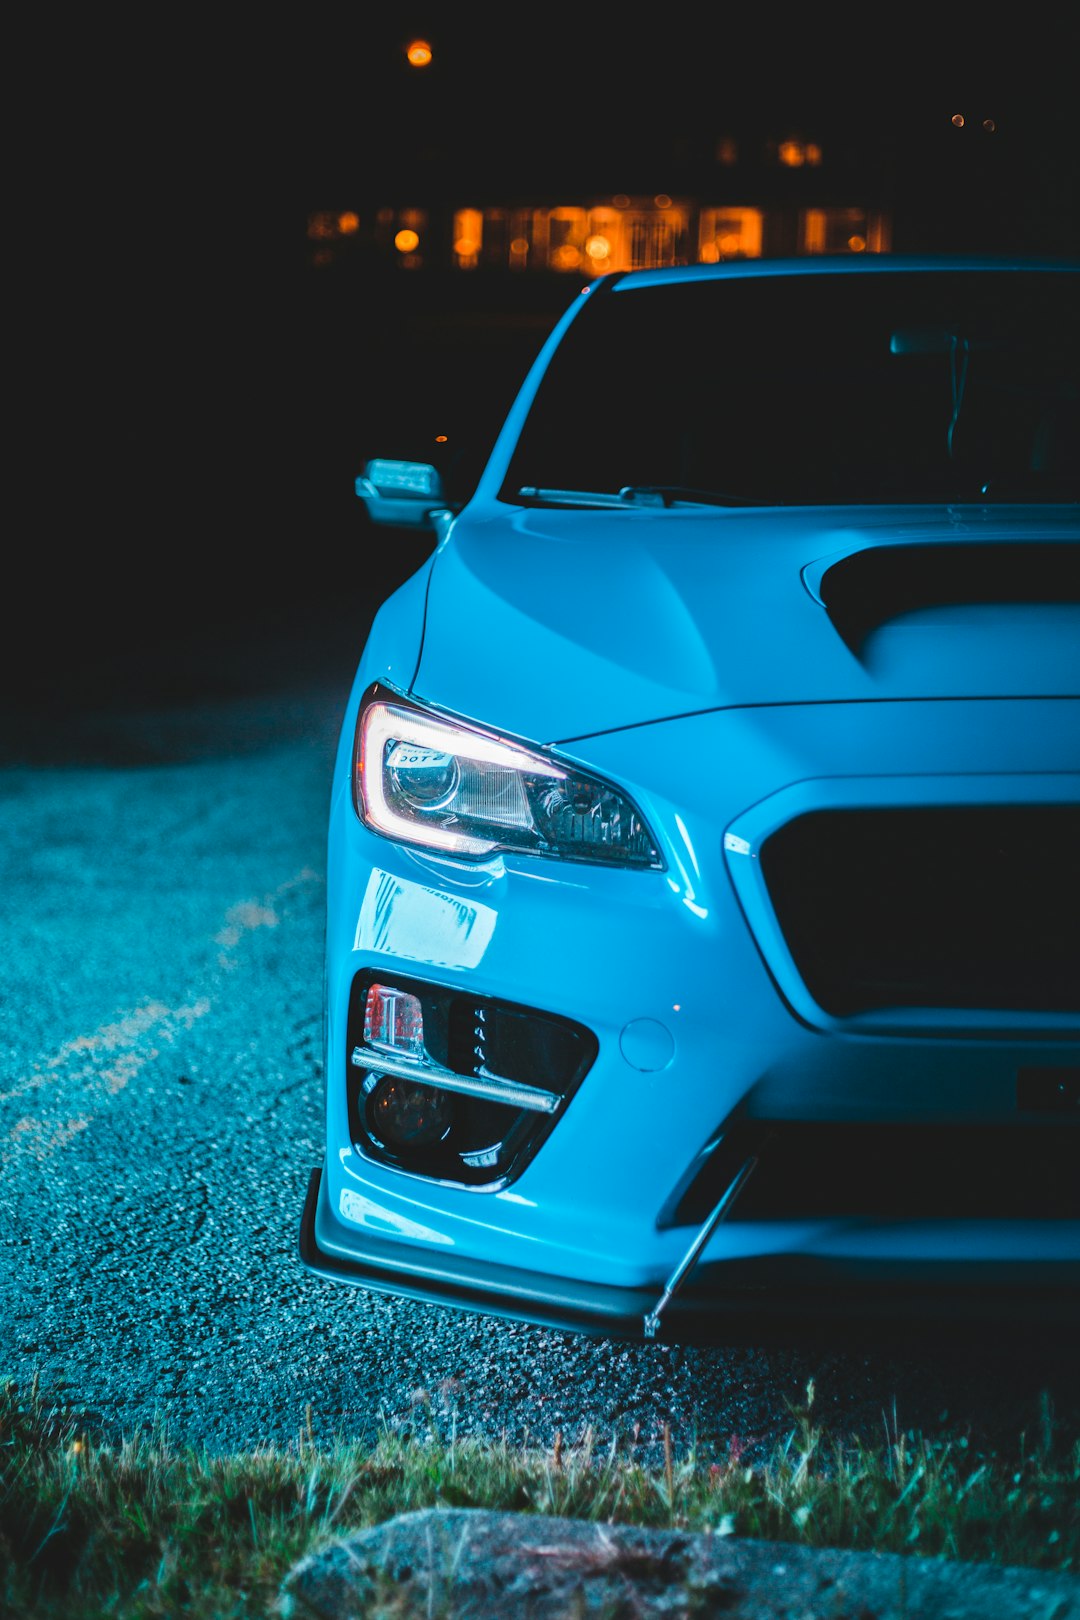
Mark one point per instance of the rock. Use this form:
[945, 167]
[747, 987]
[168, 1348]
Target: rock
[471, 1564]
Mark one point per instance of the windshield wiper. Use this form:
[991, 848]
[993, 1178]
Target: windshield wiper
[569, 497]
[633, 495]
[669, 494]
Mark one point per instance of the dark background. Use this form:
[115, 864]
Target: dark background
[192, 401]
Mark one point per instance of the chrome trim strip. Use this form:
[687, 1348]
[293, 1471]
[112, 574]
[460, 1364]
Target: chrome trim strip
[425, 1072]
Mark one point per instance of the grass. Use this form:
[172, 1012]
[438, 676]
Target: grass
[146, 1529]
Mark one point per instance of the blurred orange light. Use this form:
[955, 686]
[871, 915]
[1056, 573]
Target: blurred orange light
[519, 245]
[989, 125]
[406, 241]
[465, 247]
[348, 223]
[710, 253]
[621, 200]
[791, 154]
[419, 53]
[440, 438]
[857, 244]
[662, 200]
[566, 257]
[958, 120]
[598, 247]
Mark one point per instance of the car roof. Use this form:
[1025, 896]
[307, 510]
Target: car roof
[831, 264]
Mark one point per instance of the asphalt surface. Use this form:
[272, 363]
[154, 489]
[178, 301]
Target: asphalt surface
[162, 886]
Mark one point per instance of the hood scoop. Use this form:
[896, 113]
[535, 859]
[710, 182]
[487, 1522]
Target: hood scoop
[868, 588]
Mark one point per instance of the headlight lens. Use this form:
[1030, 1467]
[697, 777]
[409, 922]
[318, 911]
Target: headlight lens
[434, 782]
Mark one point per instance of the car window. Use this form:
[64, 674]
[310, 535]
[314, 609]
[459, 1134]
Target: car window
[895, 386]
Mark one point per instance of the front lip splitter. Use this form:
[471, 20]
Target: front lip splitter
[788, 1299]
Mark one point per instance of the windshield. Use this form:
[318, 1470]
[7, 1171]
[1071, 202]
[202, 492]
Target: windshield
[895, 386]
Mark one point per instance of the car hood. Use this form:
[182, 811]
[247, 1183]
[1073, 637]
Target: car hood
[554, 623]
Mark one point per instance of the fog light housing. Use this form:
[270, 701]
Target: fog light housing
[402, 1114]
[451, 1086]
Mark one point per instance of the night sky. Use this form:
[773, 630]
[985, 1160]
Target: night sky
[170, 164]
[588, 87]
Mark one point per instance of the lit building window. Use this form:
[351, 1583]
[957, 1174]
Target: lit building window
[641, 233]
[657, 239]
[348, 223]
[624, 234]
[492, 238]
[468, 237]
[729, 233]
[566, 232]
[843, 230]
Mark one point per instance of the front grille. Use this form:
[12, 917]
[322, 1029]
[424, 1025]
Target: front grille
[957, 906]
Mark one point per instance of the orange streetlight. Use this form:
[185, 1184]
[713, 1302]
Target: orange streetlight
[418, 52]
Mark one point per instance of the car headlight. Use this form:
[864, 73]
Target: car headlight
[427, 780]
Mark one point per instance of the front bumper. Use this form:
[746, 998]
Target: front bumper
[705, 1030]
[777, 1298]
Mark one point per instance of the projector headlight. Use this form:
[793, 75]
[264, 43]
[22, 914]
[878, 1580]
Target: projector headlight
[426, 780]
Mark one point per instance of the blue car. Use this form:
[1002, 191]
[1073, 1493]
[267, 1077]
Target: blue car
[703, 924]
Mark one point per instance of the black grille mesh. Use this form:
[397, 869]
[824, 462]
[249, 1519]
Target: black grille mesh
[955, 906]
[903, 1171]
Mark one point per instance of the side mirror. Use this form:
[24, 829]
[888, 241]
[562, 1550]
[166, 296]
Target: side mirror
[405, 494]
